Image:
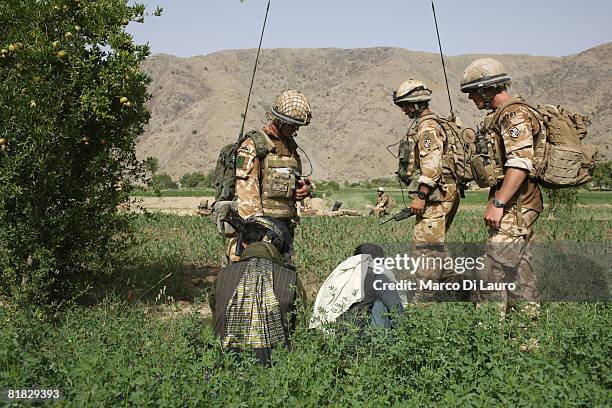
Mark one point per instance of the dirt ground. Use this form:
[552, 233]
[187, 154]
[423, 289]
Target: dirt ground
[188, 205]
[173, 205]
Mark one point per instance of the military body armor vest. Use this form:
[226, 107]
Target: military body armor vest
[278, 184]
[278, 172]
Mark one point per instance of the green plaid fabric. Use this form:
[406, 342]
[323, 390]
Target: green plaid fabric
[253, 313]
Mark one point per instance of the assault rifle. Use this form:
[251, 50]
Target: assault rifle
[402, 215]
[231, 216]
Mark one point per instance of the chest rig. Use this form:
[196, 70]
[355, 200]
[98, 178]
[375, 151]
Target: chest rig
[278, 176]
[488, 161]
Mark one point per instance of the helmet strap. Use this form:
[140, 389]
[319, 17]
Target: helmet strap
[418, 109]
[488, 100]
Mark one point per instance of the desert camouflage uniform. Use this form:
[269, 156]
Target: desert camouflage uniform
[260, 189]
[509, 249]
[431, 227]
[383, 203]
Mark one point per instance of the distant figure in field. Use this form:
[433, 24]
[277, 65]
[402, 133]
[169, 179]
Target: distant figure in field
[383, 203]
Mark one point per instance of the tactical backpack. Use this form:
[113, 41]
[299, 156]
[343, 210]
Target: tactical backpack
[224, 177]
[458, 150]
[560, 159]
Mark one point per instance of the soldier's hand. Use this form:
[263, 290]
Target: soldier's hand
[302, 191]
[418, 206]
[493, 216]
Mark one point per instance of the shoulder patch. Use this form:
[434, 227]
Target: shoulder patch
[514, 132]
[239, 162]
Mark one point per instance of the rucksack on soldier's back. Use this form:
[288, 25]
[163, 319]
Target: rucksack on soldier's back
[458, 150]
[224, 176]
[560, 158]
[460, 146]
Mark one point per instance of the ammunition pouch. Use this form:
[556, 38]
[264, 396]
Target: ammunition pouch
[485, 172]
[406, 160]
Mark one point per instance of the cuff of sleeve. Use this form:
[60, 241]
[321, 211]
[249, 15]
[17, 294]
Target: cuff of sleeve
[427, 181]
[520, 163]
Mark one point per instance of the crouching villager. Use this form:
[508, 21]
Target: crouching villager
[354, 292]
[255, 296]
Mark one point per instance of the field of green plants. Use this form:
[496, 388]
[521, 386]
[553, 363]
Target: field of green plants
[142, 339]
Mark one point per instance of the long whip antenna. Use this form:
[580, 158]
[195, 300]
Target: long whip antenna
[450, 102]
[246, 109]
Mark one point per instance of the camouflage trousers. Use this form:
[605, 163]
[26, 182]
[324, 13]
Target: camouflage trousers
[428, 238]
[509, 251]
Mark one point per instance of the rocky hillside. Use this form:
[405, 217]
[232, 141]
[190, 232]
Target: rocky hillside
[197, 102]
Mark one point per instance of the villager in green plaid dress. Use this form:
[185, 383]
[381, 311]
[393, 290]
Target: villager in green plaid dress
[255, 300]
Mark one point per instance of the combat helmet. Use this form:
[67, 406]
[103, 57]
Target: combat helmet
[380, 190]
[411, 91]
[484, 73]
[291, 107]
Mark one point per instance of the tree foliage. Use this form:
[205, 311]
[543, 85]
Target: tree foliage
[197, 180]
[602, 176]
[163, 181]
[151, 165]
[72, 102]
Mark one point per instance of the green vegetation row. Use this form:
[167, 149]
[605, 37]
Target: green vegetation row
[120, 351]
[602, 179]
[444, 355]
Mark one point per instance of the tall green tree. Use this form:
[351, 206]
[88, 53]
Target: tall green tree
[72, 102]
[602, 176]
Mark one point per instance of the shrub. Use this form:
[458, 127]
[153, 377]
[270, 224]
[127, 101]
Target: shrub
[602, 176]
[163, 181]
[151, 165]
[566, 199]
[327, 185]
[72, 104]
[196, 179]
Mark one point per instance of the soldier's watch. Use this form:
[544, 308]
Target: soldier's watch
[497, 203]
[422, 195]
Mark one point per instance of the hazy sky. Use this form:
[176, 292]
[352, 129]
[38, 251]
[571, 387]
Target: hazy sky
[537, 27]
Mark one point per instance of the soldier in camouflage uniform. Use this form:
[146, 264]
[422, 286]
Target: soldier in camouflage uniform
[436, 197]
[515, 200]
[383, 204]
[269, 186]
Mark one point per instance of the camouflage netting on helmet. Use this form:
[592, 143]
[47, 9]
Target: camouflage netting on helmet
[291, 107]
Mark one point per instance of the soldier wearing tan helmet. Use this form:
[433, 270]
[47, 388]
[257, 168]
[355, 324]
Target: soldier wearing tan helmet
[267, 185]
[436, 198]
[510, 129]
